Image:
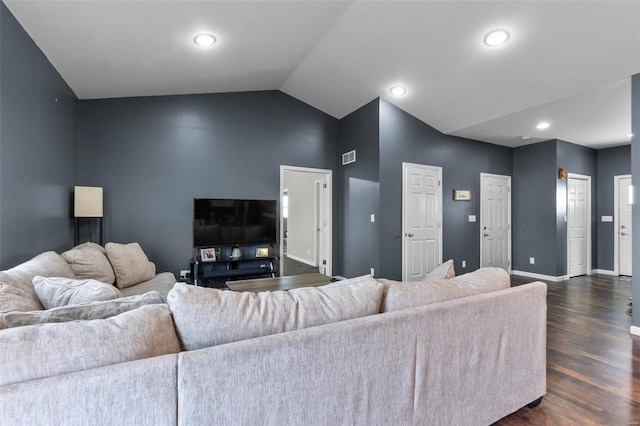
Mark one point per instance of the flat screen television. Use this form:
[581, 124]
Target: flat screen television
[224, 222]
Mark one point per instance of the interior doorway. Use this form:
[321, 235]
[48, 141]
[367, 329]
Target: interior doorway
[306, 221]
[495, 221]
[622, 226]
[578, 225]
[421, 220]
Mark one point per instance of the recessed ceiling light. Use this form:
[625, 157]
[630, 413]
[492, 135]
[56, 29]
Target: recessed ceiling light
[525, 137]
[204, 40]
[630, 135]
[496, 37]
[543, 125]
[398, 90]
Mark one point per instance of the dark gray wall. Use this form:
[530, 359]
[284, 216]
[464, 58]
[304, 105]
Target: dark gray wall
[635, 171]
[360, 191]
[534, 208]
[37, 149]
[153, 155]
[580, 160]
[404, 138]
[611, 162]
[2, 9]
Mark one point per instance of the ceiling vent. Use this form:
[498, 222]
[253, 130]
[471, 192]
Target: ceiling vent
[349, 157]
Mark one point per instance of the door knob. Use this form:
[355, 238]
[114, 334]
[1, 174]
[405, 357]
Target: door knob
[623, 227]
[622, 233]
[486, 235]
[409, 234]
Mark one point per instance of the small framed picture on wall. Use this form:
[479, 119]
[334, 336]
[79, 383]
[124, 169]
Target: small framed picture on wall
[462, 194]
[208, 254]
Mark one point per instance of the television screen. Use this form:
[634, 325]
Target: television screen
[222, 222]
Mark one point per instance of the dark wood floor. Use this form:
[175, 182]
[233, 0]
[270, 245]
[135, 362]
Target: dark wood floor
[593, 363]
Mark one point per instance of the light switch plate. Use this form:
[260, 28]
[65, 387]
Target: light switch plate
[373, 218]
[472, 218]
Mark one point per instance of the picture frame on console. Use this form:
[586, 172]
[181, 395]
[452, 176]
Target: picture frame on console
[208, 254]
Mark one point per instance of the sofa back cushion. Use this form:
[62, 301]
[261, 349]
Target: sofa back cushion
[83, 311]
[57, 291]
[402, 295]
[16, 288]
[207, 317]
[88, 262]
[46, 350]
[130, 265]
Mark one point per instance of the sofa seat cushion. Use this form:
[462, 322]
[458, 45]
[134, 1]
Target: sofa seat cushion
[84, 311]
[57, 291]
[88, 262]
[130, 264]
[402, 295]
[207, 317]
[16, 287]
[162, 283]
[46, 350]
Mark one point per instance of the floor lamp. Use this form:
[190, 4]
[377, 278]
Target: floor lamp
[87, 202]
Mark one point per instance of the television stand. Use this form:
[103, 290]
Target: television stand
[216, 273]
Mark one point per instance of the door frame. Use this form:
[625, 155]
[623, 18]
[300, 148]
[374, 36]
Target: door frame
[328, 213]
[492, 175]
[589, 221]
[404, 224]
[616, 222]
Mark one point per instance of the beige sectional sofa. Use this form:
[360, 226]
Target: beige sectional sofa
[17, 292]
[313, 356]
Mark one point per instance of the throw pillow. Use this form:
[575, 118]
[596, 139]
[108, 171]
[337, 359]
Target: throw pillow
[207, 317]
[47, 350]
[402, 295]
[88, 262]
[442, 272]
[85, 311]
[56, 291]
[130, 265]
[89, 244]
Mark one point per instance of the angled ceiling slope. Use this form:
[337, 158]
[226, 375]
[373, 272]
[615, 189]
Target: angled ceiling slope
[568, 62]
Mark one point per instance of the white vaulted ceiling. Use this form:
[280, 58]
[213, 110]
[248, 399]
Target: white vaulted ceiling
[566, 62]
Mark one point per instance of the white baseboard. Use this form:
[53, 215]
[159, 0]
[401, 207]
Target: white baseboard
[635, 330]
[540, 276]
[301, 260]
[604, 272]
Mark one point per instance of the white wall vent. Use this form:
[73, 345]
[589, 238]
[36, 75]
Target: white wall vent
[349, 157]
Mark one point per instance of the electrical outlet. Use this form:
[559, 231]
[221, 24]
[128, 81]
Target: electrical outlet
[184, 274]
[372, 271]
[464, 263]
[532, 260]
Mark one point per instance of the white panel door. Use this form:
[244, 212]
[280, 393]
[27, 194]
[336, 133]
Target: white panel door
[495, 221]
[624, 227]
[422, 220]
[577, 222]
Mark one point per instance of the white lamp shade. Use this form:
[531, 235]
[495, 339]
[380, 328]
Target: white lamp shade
[87, 201]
